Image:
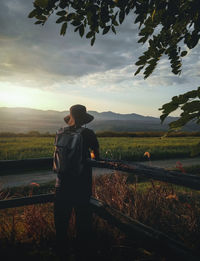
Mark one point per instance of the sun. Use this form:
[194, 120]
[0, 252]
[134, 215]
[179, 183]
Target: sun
[15, 98]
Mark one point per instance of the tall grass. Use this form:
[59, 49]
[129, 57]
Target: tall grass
[159, 205]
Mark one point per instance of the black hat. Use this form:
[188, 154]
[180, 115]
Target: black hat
[80, 115]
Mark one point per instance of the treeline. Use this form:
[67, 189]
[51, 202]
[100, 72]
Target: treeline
[110, 134]
[28, 134]
[148, 134]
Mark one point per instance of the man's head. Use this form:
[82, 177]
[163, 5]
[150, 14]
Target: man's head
[78, 116]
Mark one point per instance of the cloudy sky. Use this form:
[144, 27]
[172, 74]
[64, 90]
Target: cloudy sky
[41, 69]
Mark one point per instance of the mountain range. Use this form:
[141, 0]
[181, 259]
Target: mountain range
[22, 120]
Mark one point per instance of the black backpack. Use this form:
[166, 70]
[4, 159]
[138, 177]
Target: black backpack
[68, 155]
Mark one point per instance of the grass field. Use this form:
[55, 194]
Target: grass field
[125, 148]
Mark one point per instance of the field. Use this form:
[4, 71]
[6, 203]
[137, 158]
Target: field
[125, 148]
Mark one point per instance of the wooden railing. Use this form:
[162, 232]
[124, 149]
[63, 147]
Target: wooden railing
[134, 230]
[174, 177]
[150, 238]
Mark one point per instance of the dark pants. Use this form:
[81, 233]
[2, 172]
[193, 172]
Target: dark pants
[63, 205]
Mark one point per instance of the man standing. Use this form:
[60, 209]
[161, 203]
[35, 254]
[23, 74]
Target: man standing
[74, 178]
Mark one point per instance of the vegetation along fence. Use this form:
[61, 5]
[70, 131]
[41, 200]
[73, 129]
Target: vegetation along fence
[150, 238]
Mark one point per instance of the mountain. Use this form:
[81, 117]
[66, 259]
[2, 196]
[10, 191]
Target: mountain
[24, 120]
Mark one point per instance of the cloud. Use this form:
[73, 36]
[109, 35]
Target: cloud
[37, 56]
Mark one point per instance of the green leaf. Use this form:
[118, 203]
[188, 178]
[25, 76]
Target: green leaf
[81, 30]
[121, 16]
[41, 3]
[76, 22]
[191, 94]
[138, 70]
[183, 53]
[61, 19]
[33, 13]
[39, 22]
[41, 17]
[61, 13]
[115, 22]
[163, 116]
[191, 106]
[92, 41]
[63, 29]
[140, 62]
[70, 16]
[106, 29]
[113, 29]
[89, 34]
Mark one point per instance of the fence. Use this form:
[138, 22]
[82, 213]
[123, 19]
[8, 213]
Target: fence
[133, 229]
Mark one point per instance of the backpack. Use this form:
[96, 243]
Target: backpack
[68, 154]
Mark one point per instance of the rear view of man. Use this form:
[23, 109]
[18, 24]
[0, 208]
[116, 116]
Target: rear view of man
[74, 178]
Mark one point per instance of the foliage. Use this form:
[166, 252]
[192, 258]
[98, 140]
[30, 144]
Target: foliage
[122, 148]
[169, 27]
[189, 103]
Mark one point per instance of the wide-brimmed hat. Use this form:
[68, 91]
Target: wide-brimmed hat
[80, 115]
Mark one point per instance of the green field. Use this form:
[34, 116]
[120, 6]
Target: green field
[125, 148]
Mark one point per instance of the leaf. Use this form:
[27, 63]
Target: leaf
[60, 20]
[41, 3]
[191, 94]
[41, 17]
[191, 106]
[81, 30]
[63, 29]
[140, 62]
[138, 70]
[115, 22]
[92, 41]
[89, 34]
[33, 13]
[121, 16]
[61, 13]
[183, 53]
[76, 22]
[39, 22]
[70, 16]
[163, 116]
[106, 29]
[113, 29]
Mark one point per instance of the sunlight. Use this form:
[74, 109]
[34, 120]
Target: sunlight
[16, 98]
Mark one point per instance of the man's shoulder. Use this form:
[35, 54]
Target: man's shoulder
[87, 131]
[62, 130]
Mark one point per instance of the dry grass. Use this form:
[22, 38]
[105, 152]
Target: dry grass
[159, 205]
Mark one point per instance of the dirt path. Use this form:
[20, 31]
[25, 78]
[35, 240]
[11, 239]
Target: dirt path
[44, 176]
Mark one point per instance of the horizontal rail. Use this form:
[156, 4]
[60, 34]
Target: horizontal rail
[174, 177]
[133, 229]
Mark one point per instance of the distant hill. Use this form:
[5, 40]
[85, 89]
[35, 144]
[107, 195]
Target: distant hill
[24, 120]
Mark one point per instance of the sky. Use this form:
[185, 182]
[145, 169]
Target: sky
[41, 69]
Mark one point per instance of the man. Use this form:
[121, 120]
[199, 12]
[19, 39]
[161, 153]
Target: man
[75, 192]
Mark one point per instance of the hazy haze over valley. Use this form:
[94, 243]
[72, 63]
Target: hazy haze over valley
[25, 120]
